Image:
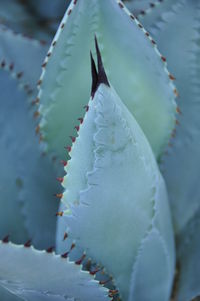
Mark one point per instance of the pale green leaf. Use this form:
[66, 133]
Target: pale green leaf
[133, 64]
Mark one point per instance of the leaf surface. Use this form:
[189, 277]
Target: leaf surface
[146, 88]
[32, 274]
[114, 193]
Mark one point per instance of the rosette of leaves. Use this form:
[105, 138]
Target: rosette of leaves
[108, 128]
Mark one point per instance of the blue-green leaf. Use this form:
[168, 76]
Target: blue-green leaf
[114, 195]
[28, 179]
[37, 275]
[146, 88]
[181, 165]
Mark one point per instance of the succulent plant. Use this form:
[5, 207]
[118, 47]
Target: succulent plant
[131, 150]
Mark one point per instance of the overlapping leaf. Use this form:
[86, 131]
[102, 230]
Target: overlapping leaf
[23, 54]
[115, 199]
[28, 180]
[146, 87]
[181, 166]
[36, 275]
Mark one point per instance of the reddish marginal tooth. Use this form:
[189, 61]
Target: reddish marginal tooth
[113, 292]
[6, 239]
[62, 25]
[65, 255]
[78, 262]
[35, 101]
[64, 162]
[121, 5]
[65, 236]
[54, 43]
[36, 114]
[94, 272]
[49, 54]
[68, 148]
[60, 213]
[86, 108]
[72, 246]
[41, 138]
[37, 129]
[39, 82]
[178, 110]
[27, 244]
[44, 64]
[77, 128]
[75, 1]
[60, 179]
[171, 77]
[69, 12]
[176, 92]
[81, 120]
[163, 58]
[59, 195]
[50, 250]
[105, 281]
[73, 139]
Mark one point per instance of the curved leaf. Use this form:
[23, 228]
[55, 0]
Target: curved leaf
[144, 268]
[28, 179]
[24, 54]
[114, 193]
[146, 88]
[181, 166]
[37, 275]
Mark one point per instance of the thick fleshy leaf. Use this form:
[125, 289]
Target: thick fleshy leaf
[28, 179]
[114, 194]
[11, 219]
[181, 167]
[144, 268]
[37, 275]
[146, 88]
[25, 54]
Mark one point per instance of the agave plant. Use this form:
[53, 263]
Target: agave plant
[124, 144]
